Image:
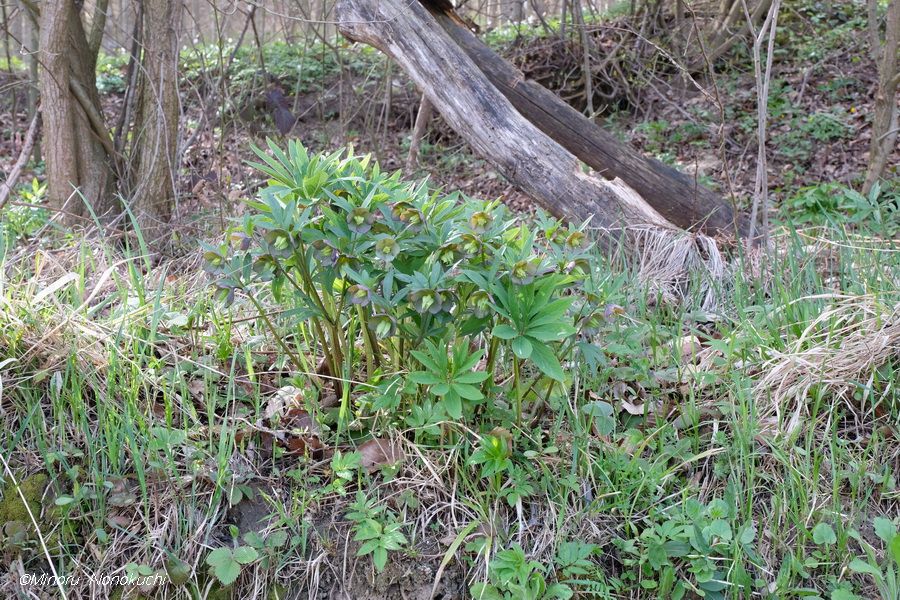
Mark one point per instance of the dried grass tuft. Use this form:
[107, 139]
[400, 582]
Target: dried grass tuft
[683, 268]
[838, 351]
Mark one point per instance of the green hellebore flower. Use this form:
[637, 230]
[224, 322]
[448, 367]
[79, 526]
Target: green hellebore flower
[360, 220]
[426, 301]
[360, 294]
[480, 221]
[382, 325]
[576, 239]
[480, 303]
[523, 272]
[387, 249]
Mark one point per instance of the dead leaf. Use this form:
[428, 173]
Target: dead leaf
[378, 452]
[301, 433]
[640, 408]
[286, 397]
[197, 389]
[689, 346]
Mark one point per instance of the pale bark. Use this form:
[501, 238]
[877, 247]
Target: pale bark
[474, 108]
[6, 187]
[675, 195]
[98, 25]
[423, 117]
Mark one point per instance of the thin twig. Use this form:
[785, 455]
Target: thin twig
[7, 186]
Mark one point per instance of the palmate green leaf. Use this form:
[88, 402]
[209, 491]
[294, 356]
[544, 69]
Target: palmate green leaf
[550, 332]
[225, 568]
[504, 332]
[453, 405]
[441, 389]
[428, 361]
[424, 378]
[552, 311]
[546, 361]
[245, 554]
[522, 347]
[471, 377]
[463, 361]
[219, 556]
[275, 171]
[469, 392]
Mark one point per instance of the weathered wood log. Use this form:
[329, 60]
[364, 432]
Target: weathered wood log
[486, 119]
[678, 197]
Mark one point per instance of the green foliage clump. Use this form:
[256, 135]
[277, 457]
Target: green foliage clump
[384, 278]
[110, 74]
[427, 311]
[879, 212]
[22, 221]
[700, 548]
[511, 576]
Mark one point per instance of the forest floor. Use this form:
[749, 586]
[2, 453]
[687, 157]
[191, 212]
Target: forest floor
[720, 437]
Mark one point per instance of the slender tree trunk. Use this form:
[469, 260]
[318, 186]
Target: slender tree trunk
[32, 51]
[77, 154]
[158, 112]
[98, 25]
[885, 124]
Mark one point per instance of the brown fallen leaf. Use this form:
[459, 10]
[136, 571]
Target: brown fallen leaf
[640, 408]
[301, 433]
[285, 397]
[378, 452]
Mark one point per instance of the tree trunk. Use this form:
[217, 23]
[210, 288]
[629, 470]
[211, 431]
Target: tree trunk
[885, 123]
[514, 11]
[486, 119]
[77, 154]
[156, 126]
[678, 197]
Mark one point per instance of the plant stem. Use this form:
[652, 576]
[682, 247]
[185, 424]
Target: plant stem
[519, 393]
[372, 361]
[299, 364]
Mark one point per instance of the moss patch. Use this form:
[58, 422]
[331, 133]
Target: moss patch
[18, 527]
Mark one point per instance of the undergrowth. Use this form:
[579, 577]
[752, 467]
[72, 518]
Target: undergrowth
[384, 379]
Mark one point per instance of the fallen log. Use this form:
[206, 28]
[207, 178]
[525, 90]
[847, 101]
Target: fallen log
[675, 195]
[486, 119]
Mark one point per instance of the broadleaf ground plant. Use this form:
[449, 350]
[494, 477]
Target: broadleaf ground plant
[391, 289]
[437, 313]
